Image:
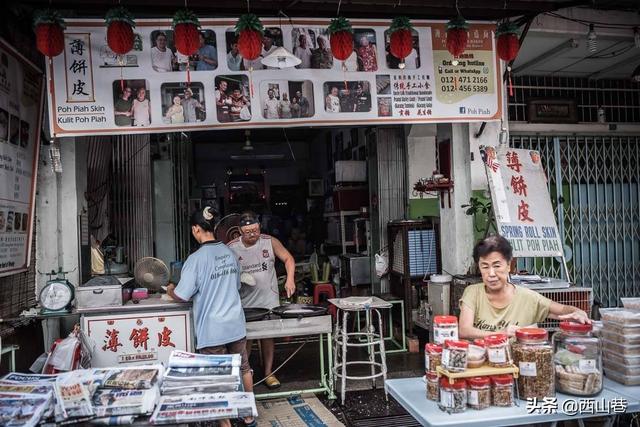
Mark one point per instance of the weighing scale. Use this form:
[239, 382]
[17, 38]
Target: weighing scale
[57, 294]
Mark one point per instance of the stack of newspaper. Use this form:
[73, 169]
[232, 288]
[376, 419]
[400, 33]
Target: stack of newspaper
[204, 407]
[128, 391]
[201, 373]
[26, 399]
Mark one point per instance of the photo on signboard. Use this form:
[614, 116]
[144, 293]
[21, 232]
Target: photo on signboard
[535, 156]
[233, 101]
[364, 42]
[25, 221]
[383, 84]
[17, 221]
[182, 103]
[131, 105]
[9, 223]
[411, 62]
[271, 40]
[14, 130]
[166, 58]
[385, 106]
[24, 134]
[311, 46]
[285, 99]
[3, 221]
[4, 125]
[355, 98]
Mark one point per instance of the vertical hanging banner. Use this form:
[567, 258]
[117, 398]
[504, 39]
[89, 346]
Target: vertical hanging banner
[94, 91]
[521, 202]
[21, 104]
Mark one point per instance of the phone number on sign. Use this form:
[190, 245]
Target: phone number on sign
[464, 88]
[464, 79]
[550, 405]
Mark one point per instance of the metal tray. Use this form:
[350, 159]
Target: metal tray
[290, 311]
[254, 314]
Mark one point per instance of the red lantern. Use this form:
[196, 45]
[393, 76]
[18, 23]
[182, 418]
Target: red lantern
[186, 34]
[457, 36]
[120, 30]
[249, 30]
[49, 28]
[401, 39]
[341, 38]
[507, 43]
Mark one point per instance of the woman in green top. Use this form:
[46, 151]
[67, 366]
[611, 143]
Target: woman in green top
[495, 305]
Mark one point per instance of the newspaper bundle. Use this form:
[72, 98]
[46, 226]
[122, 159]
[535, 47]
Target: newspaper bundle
[138, 377]
[201, 407]
[73, 399]
[190, 373]
[24, 410]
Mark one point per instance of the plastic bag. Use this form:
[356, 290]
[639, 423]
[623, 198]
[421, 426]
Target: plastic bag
[245, 113]
[63, 354]
[382, 263]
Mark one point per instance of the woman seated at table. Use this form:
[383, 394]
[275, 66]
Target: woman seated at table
[495, 305]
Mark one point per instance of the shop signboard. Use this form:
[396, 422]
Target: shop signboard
[21, 104]
[133, 339]
[148, 90]
[521, 202]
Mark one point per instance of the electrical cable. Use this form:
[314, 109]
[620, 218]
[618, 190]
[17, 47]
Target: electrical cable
[586, 23]
[283, 363]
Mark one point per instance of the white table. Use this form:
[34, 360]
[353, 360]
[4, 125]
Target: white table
[631, 392]
[411, 394]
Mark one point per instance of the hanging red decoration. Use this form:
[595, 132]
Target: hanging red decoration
[401, 38]
[120, 26]
[249, 30]
[507, 43]
[341, 38]
[49, 28]
[186, 34]
[457, 36]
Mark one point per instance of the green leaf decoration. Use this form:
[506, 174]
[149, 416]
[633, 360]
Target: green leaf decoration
[119, 14]
[506, 27]
[400, 23]
[48, 16]
[458, 23]
[185, 16]
[340, 24]
[249, 21]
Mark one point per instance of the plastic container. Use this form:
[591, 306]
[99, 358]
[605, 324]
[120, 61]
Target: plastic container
[433, 386]
[479, 342]
[445, 328]
[622, 369]
[621, 328]
[453, 396]
[622, 379]
[577, 360]
[626, 339]
[619, 359]
[432, 356]
[533, 355]
[454, 355]
[502, 390]
[622, 316]
[625, 350]
[476, 357]
[498, 351]
[479, 393]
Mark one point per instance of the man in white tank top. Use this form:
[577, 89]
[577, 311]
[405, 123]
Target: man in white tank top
[256, 255]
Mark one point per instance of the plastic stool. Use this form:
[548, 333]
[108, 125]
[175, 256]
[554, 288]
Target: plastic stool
[328, 291]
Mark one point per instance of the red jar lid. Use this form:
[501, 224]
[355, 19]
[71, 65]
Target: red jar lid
[433, 348]
[533, 334]
[502, 379]
[456, 344]
[575, 327]
[479, 342]
[445, 320]
[495, 339]
[432, 376]
[478, 381]
[457, 384]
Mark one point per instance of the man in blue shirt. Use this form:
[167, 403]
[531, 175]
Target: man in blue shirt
[207, 56]
[211, 278]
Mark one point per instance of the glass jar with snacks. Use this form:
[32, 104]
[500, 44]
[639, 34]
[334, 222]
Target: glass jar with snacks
[432, 356]
[578, 360]
[533, 355]
[479, 393]
[498, 351]
[479, 342]
[476, 357]
[453, 395]
[454, 355]
[502, 390]
[433, 386]
[445, 328]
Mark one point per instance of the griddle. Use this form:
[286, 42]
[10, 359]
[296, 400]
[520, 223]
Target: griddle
[290, 311]
[254, 314]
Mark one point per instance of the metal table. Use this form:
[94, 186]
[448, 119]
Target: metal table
[305, 326]
[411, 394]
[631, 392]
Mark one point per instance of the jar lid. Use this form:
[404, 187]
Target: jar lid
[502, 379]
[479, 342]
[531, 334]
[432, 375]
[453, 320]
[432, 348]
[478, 381]
[457, 384]
[440, 278]
[575, 327]
[495, 339]
[456, 344]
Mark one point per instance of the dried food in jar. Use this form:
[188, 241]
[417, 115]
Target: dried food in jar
[454, 355]
[433, 386]
[573, 380]
[479, 393]
[453, 395]
[502, 390]
[445, 328]
[432, 356]
[498, 351]
[578, 360]
[533, 355]
[476, 356]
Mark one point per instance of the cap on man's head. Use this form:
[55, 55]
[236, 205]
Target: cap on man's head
[248, 218]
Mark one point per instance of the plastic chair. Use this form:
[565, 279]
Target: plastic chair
[322, 292]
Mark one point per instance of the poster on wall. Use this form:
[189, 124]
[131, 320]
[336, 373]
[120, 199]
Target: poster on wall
[94, 91]
[21, 101]
[521, 202]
